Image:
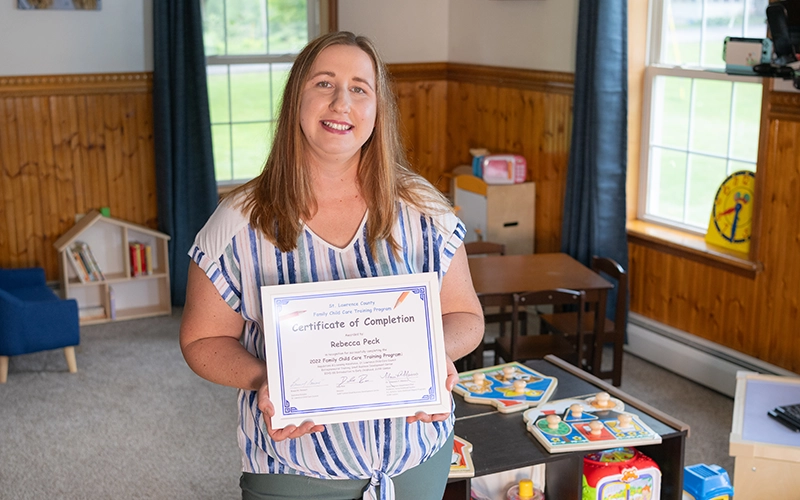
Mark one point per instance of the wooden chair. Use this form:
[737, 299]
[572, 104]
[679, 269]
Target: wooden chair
[613, 329]
[484, 248]
[519, 347]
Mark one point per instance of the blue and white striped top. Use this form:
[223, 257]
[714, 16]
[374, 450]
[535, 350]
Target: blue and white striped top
[239, 260]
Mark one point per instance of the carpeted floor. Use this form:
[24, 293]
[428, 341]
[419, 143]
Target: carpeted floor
[135, 422]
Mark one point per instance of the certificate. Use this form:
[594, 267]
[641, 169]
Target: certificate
[350, 350]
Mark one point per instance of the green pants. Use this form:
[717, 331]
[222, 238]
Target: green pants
[423, 482]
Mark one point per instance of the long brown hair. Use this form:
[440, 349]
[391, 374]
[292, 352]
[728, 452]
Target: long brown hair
[282, 195]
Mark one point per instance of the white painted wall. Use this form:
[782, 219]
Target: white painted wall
[405, 31]
[528, 34]
[118, 38]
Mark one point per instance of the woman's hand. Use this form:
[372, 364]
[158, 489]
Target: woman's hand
[452, 380]
[288, 432]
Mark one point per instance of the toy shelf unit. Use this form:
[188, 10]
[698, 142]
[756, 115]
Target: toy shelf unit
[122, 289]
[497, 213]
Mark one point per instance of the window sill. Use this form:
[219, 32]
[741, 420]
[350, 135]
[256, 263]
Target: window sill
[223, 189]
[690, 246]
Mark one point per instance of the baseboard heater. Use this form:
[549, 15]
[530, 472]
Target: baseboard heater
[707, 363]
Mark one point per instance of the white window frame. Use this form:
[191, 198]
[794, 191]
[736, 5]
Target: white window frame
[654, 40]
[314, 29]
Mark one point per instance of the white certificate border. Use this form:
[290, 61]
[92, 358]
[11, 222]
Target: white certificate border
[426, 284]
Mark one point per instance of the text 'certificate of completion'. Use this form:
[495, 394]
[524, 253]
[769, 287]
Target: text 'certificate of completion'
[349, 350]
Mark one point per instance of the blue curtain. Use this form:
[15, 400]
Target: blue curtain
[594, 205]
[187, 191]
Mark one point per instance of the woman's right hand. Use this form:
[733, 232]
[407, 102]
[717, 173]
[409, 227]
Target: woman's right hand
[290, 431]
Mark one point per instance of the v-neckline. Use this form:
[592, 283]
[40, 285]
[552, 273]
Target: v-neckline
[352, 242]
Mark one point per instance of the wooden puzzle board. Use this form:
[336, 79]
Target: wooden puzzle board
[613, 427]
[461, 460]
[509, 387]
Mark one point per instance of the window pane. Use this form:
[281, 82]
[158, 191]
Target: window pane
[218, 94]
[214, 27]
[667, 179]
[711, 116]
[735, 166]
[746, 121]
[670, 118]
[246, 24]
[681, 32]
[251, 93]
[705, 176]
[244, 97]
[756, 19]
[288, 26]
[280, 74]
[221, 144]
[722, 19]
[250, 146]
[702, 125]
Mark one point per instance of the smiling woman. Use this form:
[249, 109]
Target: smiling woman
[336, 200]
[337, 109]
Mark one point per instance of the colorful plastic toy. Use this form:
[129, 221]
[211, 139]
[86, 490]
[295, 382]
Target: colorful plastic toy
[706, 482]
[620, 474]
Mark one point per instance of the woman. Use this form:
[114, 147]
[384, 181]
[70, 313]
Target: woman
[336, 200]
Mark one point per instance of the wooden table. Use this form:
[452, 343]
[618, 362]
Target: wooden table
[501, 442]
[509, 274]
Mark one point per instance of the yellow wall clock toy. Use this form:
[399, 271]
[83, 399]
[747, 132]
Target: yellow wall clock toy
[732, 214]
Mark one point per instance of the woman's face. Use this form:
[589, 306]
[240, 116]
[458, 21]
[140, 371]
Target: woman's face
[338, 103]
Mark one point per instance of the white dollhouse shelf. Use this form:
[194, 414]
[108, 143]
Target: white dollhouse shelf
[120, 295]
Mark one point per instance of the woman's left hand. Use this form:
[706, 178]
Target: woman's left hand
[452, 380]
[288, 432]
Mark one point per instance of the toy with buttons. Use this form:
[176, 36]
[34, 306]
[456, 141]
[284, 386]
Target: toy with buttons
[594, 423]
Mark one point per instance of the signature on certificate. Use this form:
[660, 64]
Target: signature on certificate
[305, 382]
[353, 379]
[400, 377]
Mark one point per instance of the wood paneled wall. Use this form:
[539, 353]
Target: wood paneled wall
[759, 316]
[447, 109]
[70, 143]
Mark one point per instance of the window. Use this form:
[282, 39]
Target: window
[699, 123]
[250, 46]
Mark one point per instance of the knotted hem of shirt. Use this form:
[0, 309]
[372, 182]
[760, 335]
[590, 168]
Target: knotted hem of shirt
[382, 479]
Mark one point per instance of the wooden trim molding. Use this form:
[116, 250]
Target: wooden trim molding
[96, 83]
[524, 79]
[418, 71]
[784, 106]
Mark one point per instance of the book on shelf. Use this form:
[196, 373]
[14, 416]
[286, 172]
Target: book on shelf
[92, 312]
[148, 259]
[86, 257]
[136, 259]
[75, 260]
[141, 255]
[112, 304]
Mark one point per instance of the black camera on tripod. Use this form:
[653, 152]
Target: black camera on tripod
[783, 19]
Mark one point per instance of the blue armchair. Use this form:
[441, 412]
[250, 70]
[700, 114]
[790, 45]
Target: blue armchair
[33, 318]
